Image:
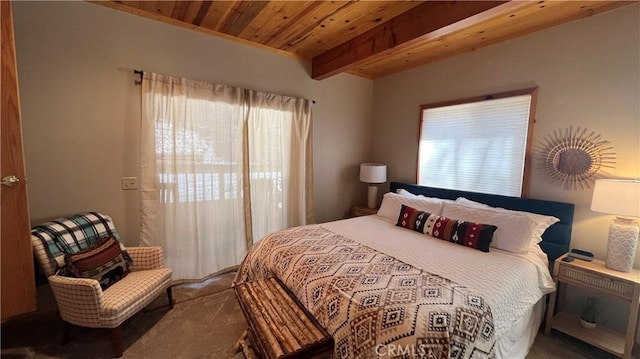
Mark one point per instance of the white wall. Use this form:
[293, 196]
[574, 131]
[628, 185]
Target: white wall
[588, 74]
[81, 109]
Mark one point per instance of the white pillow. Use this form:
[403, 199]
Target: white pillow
[542, 222]
[392, 204]
[404, 192]
[514, 229]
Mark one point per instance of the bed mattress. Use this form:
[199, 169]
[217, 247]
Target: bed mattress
[511, 283]
[382, 290]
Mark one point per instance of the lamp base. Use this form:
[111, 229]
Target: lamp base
[372, 196]
[621, 248]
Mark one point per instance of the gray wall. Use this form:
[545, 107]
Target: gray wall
[81, 109]
[588, 75]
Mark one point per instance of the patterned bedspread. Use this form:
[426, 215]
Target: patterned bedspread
[374, 305]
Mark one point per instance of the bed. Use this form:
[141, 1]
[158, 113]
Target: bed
[385, 289]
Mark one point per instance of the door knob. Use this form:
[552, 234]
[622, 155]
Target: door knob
[10, 181]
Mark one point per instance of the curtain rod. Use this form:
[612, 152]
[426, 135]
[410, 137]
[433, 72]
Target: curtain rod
[141, 73]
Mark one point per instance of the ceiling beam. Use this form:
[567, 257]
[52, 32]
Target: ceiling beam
[422, 23]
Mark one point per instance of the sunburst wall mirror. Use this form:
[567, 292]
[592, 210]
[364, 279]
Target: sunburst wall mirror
[574, 158]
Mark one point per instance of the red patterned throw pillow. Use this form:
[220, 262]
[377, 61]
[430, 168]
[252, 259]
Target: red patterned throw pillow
[104, 262]
[469, 234]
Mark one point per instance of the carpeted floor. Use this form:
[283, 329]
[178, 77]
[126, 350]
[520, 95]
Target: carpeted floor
[205, 323]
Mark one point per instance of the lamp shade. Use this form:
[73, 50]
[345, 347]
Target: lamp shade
[373, 173]
[619, 197]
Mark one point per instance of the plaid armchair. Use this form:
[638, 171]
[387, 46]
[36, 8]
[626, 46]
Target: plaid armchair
[82, 301]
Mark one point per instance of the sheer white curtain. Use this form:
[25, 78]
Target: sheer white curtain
[203, 147]
[279, 130]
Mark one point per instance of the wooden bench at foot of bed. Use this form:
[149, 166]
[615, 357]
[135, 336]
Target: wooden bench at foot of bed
[279, 327]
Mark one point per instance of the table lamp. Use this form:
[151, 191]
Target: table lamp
[622, 198]
[373, 173]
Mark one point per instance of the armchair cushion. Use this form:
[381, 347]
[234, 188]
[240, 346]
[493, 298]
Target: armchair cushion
[131, 294]
[103, 262]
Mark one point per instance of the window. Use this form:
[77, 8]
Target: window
[479, 144]
[197, 150]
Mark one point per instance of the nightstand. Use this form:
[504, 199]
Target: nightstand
[594, 275]
[357, 211]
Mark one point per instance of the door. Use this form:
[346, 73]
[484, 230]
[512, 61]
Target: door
[18, 290]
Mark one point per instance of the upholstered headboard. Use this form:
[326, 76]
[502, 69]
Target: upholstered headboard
[555, 240]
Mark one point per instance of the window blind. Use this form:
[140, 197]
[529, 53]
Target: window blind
[478, 146]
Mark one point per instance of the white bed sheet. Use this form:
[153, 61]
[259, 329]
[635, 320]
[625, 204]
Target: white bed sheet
[516, 343]
[511, 283]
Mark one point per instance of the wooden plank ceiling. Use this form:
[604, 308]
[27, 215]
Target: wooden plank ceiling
[366, 38]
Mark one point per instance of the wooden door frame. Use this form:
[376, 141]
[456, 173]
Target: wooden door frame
[18, 292]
